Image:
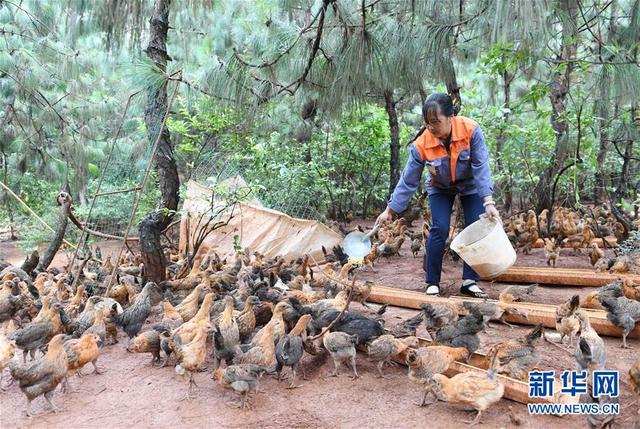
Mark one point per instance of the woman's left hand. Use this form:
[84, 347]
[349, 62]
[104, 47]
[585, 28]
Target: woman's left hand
[492, 212]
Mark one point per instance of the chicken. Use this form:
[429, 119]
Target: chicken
[425, 362]
[551, 251]
[596, 356]
[246, 320]
[470, 388]
[290, 349]
[358, 325]
[73, 307]
[516, 293]
[99, 326]
[392, 246]
[528, 239]
[438, 315]
[462, 333]
[241, 378]
[342, 348]
[189, 306]
[567, 323]
[360, 292]
[277, 324]
[408, 327]
[371, 257]
[171, 319]
[387, 347]
[190, 356]
[226, 335]
[132, 319]
[631, 290]
[621, 311]
[515, 358]
[35, 335]
[263, 352]
[596, 254]
[416, 246]
[634, 383]
[7, 349]
[148, 342]
[9, 305]
[494, 311]
[594, 421]
[81, 351]
[592, 300]
[43, 375]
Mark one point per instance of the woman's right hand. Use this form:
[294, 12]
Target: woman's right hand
[386, 215]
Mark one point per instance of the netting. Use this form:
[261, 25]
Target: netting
[217, 167]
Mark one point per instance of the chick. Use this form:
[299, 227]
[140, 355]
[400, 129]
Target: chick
[438, 315]
[622, 312]
[227, 335]
[551, 251]
[387, 347]
[516, 293]
[463, 332]
[424, 362]
[408, 327]
[595, 421]
[7, 349]
[515, 358]
[80, 352]
[190, 356]
[246, 320]
[590, 352]
[567, 324]
[470, 388]
[290, 348]
[416, 245]
[242, 378]
[43, 375]
[132, 319]
[596, 254]
[342, 348]
[148, 342]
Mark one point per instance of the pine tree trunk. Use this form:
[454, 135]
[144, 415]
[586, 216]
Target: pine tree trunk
[394, 144]
[153, 224]
[558, 96]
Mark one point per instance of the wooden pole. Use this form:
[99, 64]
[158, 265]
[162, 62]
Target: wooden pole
[561, 276]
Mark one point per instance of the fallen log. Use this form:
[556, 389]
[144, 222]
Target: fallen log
[560, 276]
[536, 313]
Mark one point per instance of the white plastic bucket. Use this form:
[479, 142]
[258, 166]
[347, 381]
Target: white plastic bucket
[485, 247]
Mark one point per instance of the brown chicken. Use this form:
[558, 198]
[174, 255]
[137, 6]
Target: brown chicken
[189, 306]
[371, 257]
[242, 378]
[528, 239]
[551, 251]
[592, 300]
[43, 375]
[516, 293]
[73, 307]
[246, 320]
[392, 246]
[190, 356]
[119, 293]
[171, 319]
[80, 352]
[596, 254]
[7, 349]
[425, 362]
[387, 347]
[438, 315]
[631, 290]
[99, 326]
[148, 342]
[263, 352]
[276, 324]
[470, 388]
[634, 383]
[342, 348]
[35, 335]
[515, 358]
[567, 323]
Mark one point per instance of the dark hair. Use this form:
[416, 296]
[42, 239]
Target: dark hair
[439, 99]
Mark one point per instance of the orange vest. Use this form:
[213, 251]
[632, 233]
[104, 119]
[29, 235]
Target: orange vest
[430, 148]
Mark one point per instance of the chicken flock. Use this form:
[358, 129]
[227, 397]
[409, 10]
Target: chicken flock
[253, 315]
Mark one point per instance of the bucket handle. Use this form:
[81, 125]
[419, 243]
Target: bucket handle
[484, 216]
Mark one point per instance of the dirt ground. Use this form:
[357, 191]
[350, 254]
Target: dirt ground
[132, 393]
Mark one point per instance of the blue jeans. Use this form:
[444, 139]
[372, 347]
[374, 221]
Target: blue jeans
[441, 206]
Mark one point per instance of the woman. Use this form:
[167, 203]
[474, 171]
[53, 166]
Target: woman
[455, 153]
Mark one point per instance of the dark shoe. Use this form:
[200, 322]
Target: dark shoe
[432, 290]
[470, 288]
